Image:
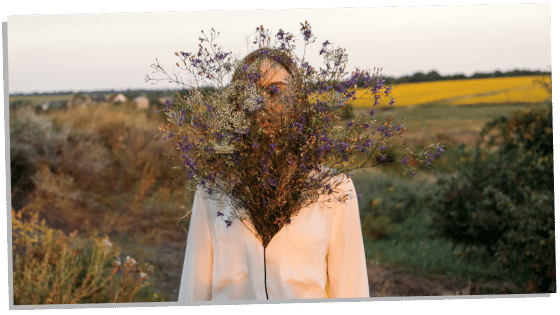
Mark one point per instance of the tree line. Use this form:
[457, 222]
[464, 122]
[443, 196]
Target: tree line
[414, 78]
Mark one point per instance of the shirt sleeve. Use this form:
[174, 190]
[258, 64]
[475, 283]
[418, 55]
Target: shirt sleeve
[196, 280]
[346, 261]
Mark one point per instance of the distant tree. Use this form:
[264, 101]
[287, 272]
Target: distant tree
[432, 76]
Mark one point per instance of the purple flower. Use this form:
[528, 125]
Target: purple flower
[412, 173]
[264, 166]
[182, 114]
[378, 85]
[405, 160]
[382, 147]
[353, 80]
[236, 158]
[382, 158]
[372, 112]
[398, 127]
[280, 34]
[365, 126]
[255, 144]
[430, 158]
[392, 101]
[339, 88]
[272, 181]
[228, 223]
[349, 124]
[387, 90]
[440, 150]
[367, 79]
[274, 89]
[359, 196]
[342, 147]
[219, 136]
[328, 188]
[376, 98]
[191, 175]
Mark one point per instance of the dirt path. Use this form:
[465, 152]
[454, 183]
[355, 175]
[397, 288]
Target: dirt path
[390, 281]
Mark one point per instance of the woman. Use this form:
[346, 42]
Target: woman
[319, 254]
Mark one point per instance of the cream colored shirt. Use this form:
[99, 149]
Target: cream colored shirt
[320, 254]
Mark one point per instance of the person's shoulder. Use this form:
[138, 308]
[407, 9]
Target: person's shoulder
[341, 180]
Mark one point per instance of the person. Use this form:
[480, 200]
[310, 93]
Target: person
[319, 254]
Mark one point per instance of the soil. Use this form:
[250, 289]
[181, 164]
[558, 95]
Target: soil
[387, 281]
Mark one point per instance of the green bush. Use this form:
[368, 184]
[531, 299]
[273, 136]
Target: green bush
[347, 112]
[376, 227]
[501, 203]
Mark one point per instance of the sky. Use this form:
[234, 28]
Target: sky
[54, 52]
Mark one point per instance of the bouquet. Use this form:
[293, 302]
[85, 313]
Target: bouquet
[266, 130]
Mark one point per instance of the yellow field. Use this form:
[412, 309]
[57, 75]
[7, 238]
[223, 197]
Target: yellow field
[463, 92]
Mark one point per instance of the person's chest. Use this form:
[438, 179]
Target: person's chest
[295, 256]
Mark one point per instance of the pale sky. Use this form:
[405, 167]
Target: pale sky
[52, 52]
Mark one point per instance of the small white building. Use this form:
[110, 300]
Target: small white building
[142, 102]
[119, 98]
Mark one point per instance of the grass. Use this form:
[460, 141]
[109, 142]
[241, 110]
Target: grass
[458, 116]
[411, 243]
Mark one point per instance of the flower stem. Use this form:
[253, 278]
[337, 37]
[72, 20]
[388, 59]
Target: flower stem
[264, 256]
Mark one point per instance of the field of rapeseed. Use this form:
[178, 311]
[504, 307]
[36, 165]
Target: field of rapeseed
[509, 90]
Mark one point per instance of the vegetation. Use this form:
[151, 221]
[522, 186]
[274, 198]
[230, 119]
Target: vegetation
[53, 268]
[488, 216]
[502, 204]
[511, 90]
[99, 170]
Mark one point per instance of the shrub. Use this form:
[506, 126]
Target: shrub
[376, 227]
[501, 204]
[347, 112]
[52, 268]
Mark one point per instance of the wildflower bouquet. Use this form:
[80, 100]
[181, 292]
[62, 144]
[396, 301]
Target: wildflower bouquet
[269, 134]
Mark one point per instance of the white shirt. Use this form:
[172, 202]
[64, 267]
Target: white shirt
[321, 247]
